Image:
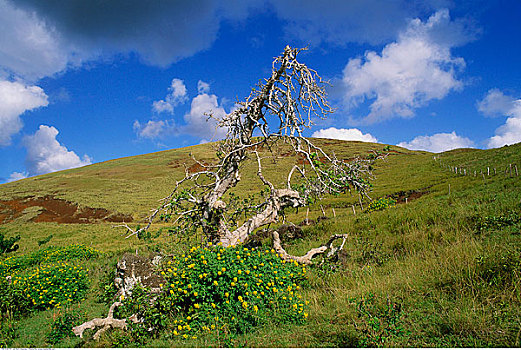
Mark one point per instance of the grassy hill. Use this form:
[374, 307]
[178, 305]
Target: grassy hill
[441, 268]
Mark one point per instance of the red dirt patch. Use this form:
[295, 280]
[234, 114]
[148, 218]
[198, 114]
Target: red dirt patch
[196, 167]
[57, 210]
[410, 195]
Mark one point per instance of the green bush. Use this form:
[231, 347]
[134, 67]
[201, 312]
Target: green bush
[8, 245]
[512, 218]
[47, 255]
[43, 279]
[52, 285]
[230, 290]
[62, 325]
[12, 299]
[380, 204]
[379, 324]
[7, 331]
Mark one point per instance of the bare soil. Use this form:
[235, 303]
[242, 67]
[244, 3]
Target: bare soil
[57, 210]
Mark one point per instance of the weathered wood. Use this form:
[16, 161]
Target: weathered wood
[104, 323]
[306, 259]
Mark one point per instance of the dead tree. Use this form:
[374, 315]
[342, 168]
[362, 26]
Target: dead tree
[291, 97]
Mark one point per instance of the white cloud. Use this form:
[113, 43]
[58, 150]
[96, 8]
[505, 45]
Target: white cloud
[29, 47]
[495, 103]
[45, 154]
[154, 129]
[15, 176]
[198, 123]
[17, 98]
[160, 32]
[408, 73]
[438, 142]
[177, 95]
[344, 134]
[510, 132]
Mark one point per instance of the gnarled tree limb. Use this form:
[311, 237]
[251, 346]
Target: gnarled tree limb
[306, 259]
[104, 323]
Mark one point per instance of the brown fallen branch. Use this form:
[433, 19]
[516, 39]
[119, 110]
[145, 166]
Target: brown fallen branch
[104, 323]
[307, 258]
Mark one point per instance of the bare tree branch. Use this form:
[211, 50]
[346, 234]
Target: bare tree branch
[294, 95]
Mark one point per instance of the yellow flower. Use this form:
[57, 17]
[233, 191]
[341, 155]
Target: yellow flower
[233, 284]
[195, 294]
[197, 306]
[215, 283]
[255, 308]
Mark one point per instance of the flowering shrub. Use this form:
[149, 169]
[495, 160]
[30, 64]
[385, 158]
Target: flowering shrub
[381, 204]
[226, 289]
[53, 283]
[47, 255]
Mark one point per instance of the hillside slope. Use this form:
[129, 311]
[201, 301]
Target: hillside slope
[441, 268]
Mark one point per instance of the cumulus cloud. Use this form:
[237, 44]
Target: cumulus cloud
[438, 142]
[15, 176]
[17, 98]
[510, 132]
[198, 122]
[495, 103]
[408, 73]
[344, 134]
[45, 154]
[67, 33]
[176, 96]
[155, 129]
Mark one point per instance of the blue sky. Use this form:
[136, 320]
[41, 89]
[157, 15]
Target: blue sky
[88, 81]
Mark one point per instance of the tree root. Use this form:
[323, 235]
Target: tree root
[307, 258]
[104, 323]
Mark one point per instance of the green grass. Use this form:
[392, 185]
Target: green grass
[420, 274]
